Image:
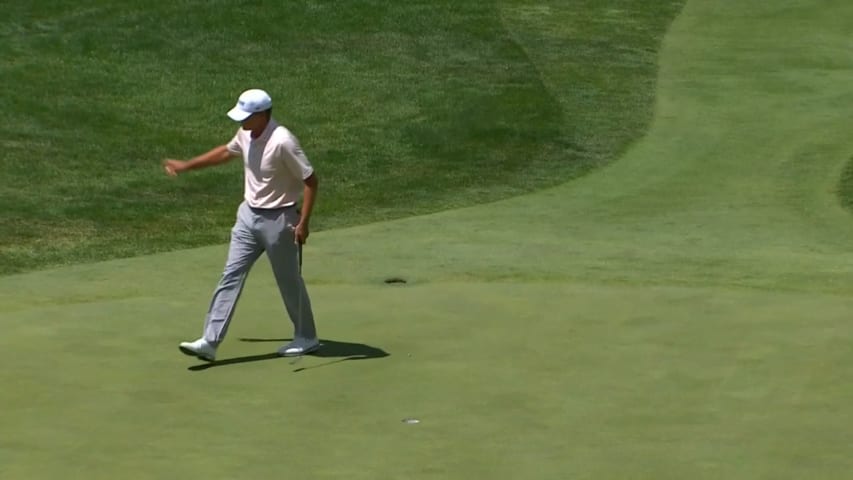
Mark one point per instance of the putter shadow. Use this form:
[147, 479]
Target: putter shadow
[342, 351]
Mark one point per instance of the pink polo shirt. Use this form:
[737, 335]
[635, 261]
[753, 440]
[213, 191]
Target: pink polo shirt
[275, 166]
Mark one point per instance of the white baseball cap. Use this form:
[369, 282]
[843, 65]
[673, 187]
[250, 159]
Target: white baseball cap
[250, 101]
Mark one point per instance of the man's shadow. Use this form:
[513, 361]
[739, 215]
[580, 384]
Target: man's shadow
[339, 351]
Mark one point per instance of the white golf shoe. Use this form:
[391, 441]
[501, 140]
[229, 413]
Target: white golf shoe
[299, 347]
[199, 348]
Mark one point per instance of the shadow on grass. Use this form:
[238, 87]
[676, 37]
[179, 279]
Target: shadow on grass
[845, 185]
[339, 351]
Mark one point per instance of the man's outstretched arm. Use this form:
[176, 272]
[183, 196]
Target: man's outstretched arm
[216, 156]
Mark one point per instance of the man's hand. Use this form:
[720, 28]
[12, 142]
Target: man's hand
[173, 167]
[300, 233]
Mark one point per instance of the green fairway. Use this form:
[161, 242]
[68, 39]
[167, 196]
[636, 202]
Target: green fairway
[682, 312]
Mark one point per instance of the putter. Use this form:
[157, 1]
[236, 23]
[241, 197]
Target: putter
[297, 358]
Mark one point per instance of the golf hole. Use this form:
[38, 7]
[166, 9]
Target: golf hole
[395, 281]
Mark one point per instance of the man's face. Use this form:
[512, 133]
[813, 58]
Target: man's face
[256, 121]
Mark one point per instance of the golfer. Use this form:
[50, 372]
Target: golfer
[277, 172]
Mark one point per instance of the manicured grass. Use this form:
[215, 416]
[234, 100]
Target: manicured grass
[405, 108]
[560, 379]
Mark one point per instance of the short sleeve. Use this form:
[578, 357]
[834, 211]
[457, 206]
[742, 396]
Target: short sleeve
[234, 146]
[295, 159]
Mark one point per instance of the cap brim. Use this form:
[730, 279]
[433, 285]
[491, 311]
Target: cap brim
[238, 114]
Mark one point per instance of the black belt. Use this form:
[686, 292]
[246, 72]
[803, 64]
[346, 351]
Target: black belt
[258, 209]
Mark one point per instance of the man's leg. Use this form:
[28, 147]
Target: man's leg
[283, 255]
[243, 251]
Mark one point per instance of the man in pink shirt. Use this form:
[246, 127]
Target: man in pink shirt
[277, 173]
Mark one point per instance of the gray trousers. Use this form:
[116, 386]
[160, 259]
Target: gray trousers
[255, 232]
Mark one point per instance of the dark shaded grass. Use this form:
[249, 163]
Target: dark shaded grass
[403, 108]
[845, 186]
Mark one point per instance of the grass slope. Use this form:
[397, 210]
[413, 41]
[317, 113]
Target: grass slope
[404, 108]
[681, 313]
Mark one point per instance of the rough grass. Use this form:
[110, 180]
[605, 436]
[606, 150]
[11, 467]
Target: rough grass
[404, 108]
